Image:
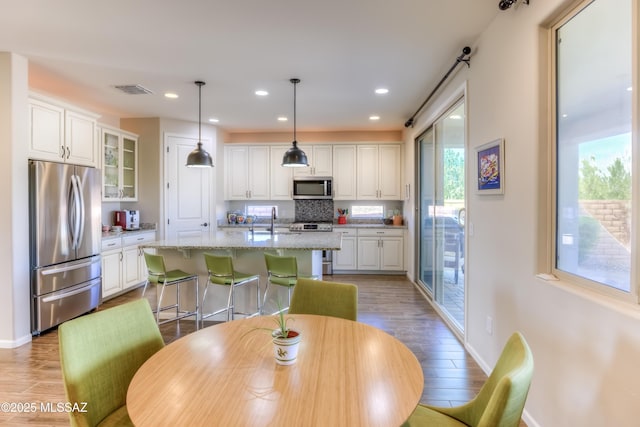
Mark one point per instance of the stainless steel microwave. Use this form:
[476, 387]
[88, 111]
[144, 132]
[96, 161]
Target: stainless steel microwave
[313, 187]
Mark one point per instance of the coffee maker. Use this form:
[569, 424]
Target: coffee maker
[127, 219]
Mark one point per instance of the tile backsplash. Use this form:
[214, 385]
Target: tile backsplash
[313, 210]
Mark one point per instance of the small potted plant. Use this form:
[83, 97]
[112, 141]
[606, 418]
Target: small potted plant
[285, 341]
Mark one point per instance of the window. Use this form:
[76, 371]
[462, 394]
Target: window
[375, 211]
[593, 146]
[261, 211]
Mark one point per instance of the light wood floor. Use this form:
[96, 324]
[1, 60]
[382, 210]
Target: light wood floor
[31, 373]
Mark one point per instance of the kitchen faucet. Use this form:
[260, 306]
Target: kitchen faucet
[273, 217]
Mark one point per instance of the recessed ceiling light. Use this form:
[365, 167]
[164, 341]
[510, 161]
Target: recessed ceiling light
[282, 119]
[564, 116]
[382, 91]
[170, 95]
[262, 92]
[455, 116]
[214, 120]
[630, 88]
[374, 118]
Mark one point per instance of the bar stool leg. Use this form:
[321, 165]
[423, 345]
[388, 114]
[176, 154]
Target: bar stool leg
[264, 297]
[178, 300]
[159, 303]
[230, 302]
[197, 303]
[258, 307]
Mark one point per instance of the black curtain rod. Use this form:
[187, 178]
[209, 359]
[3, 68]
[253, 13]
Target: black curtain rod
[465, 51]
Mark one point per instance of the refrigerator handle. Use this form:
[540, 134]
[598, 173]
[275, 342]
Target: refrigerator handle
[81, 210]
[74, 212]
[71, 213]
[59, 296]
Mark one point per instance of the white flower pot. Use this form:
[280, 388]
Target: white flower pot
[285, 350]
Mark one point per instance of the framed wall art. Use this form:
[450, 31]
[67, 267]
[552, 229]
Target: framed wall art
[490, 167]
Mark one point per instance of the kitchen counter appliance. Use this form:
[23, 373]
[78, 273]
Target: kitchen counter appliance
[311, 226]
[65, 242]
[327, 256]
[312, 187]
[127, 219]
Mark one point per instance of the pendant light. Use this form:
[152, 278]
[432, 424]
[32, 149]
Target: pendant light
[294, 157]
[199, 158]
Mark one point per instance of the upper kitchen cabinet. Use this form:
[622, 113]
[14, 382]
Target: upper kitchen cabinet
[320, 159]
[379, 172]
[281, 177]
[247, 172]
[119, 165]
[344, 172]
[62, 133]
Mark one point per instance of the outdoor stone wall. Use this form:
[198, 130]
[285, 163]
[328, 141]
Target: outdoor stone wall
[614, 215]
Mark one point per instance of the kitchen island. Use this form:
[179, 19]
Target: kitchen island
[247, 249]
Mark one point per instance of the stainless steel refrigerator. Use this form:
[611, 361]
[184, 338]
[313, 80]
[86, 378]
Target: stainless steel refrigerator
[65, 232]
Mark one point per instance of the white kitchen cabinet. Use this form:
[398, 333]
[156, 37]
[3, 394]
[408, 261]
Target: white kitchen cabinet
[247, 172]
[380, 249]
[379, 172]
[62, 133]
[347, 257]
[123, 265]
[280, 177]
[344, 172]
[111, 272]
[320, 159]
[119, 165]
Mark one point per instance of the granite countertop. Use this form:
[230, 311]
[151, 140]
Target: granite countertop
[369, 225]
[259, 240]
[124, 233]
[358, 224]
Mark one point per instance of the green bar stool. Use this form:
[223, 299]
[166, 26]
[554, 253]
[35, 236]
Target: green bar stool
[158, 275]
[221, 272]
[282, 271]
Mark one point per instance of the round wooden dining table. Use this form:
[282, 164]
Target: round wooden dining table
[347, 374]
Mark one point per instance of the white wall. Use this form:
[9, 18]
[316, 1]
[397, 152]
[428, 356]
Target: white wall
[586, 348]
[15, 323]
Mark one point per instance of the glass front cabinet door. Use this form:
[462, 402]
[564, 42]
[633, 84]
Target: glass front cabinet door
[119, 165]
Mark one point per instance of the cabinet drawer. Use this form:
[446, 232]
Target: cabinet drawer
[346, 231]
[378, 232]
[109, 244]
[137, 239]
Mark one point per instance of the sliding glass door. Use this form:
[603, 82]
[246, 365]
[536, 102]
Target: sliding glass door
[441, 209]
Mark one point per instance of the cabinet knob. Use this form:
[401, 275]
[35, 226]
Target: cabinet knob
[205, 224]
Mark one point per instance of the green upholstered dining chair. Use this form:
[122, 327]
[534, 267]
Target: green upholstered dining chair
[325, 298]
[501, 399]
[158, 275]
[221, 272]
[281, 271]
[99, 354]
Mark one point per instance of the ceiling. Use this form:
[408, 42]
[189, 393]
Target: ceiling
[340, 49]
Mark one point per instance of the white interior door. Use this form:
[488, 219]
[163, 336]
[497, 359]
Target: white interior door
[187, 190]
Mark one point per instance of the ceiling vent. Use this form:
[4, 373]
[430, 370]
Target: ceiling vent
[134, 89]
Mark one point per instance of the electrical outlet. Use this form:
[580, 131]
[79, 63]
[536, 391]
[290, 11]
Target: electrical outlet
[489, 325]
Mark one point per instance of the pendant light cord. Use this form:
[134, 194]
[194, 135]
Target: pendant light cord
[295, 83]
[199, 114]
[200, 84]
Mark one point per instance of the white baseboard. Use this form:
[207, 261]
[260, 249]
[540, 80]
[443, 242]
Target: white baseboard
[15, 343]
